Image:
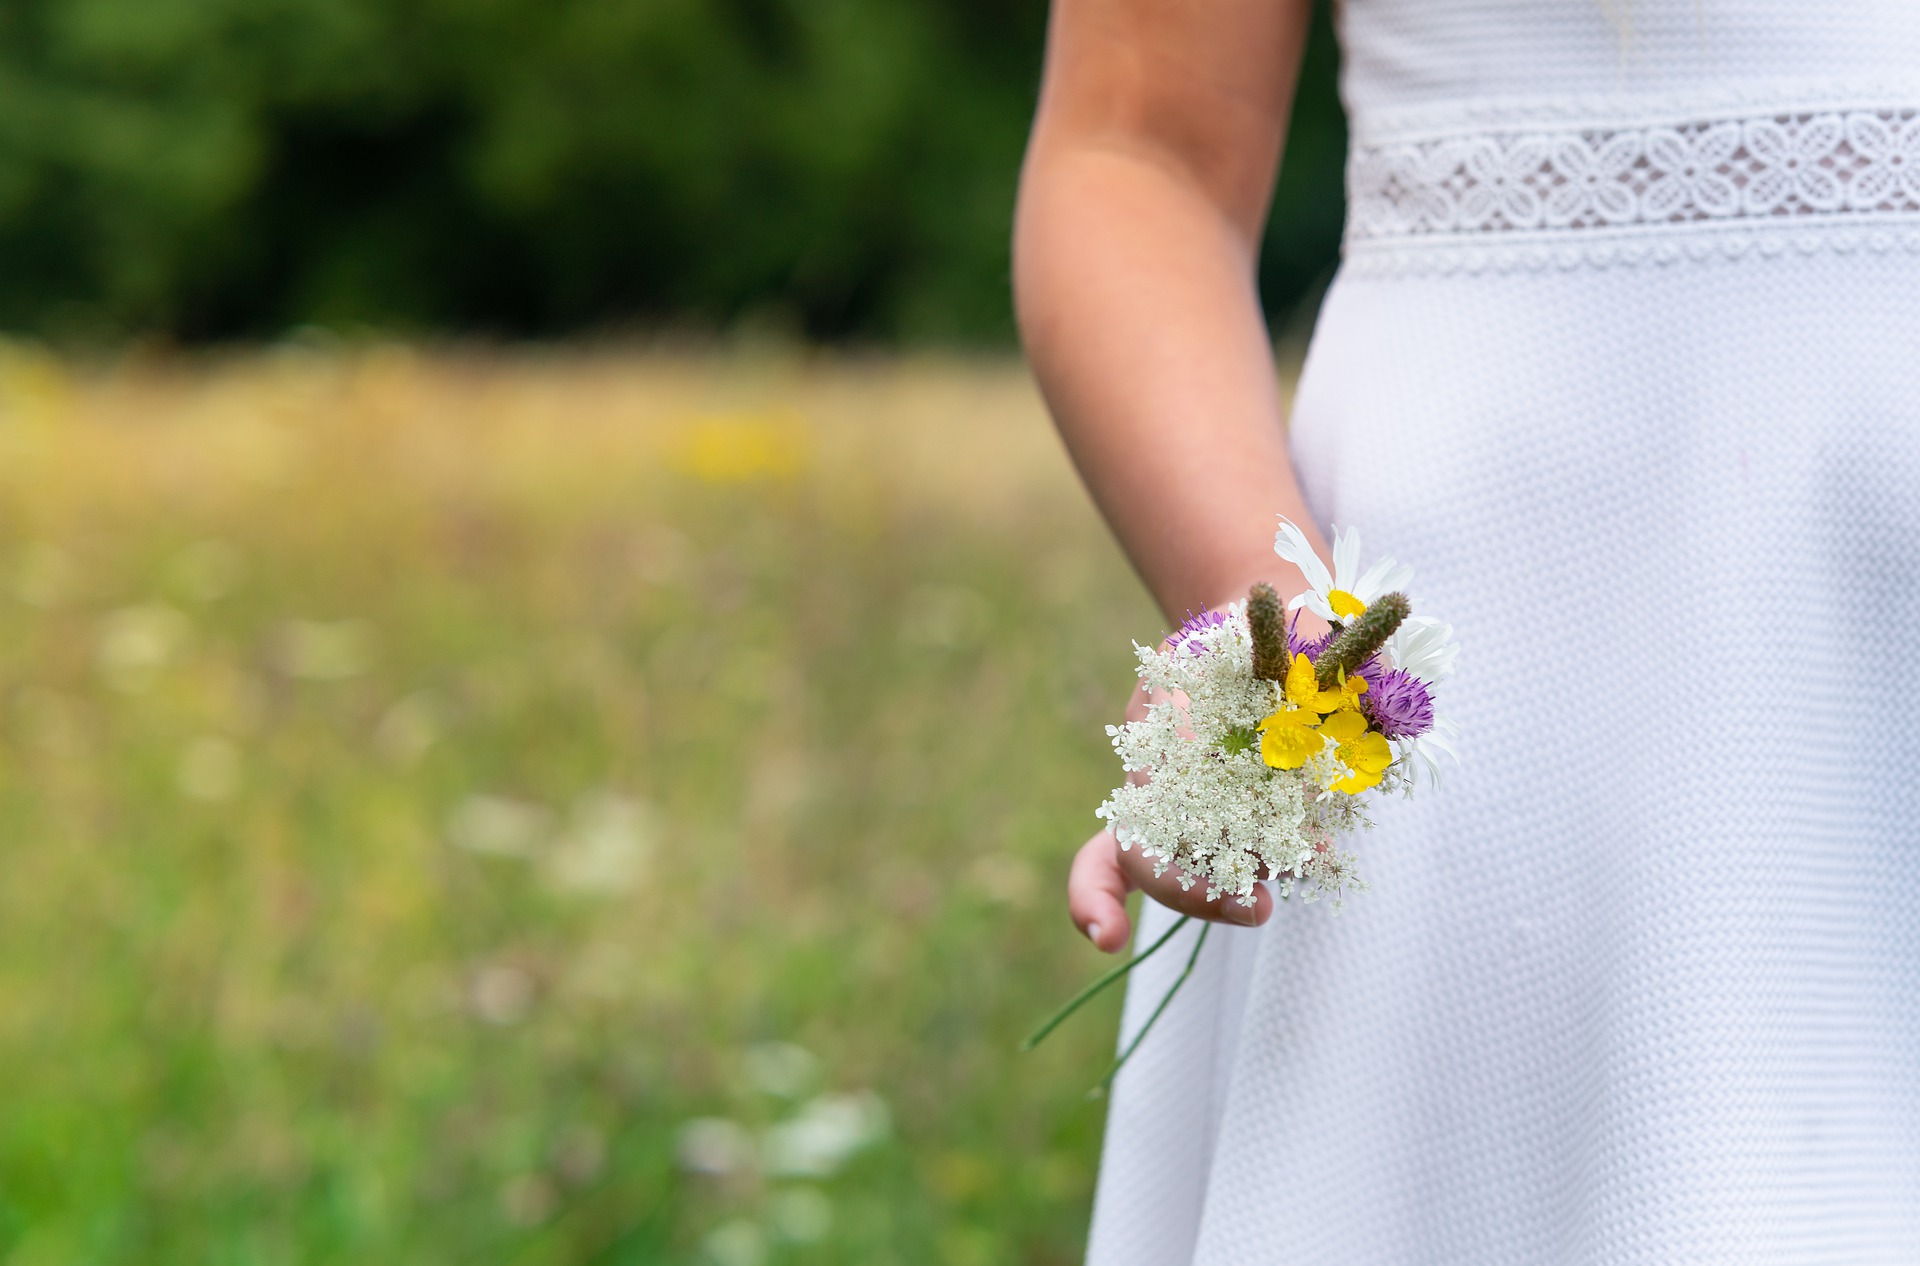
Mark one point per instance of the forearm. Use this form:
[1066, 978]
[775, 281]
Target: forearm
[1140, 314]
[1145, 188]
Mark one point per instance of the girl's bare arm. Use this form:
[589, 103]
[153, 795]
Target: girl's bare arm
[1145, 189]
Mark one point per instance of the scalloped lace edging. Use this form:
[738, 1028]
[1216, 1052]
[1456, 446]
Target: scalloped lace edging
[1771, 183]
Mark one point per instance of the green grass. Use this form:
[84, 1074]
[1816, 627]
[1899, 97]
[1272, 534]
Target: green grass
[430, 782]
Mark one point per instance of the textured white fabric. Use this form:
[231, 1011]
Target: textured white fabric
[1642, 983]
[1845, 165]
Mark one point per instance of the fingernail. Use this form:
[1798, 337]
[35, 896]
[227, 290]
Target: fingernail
[1093, 933]
[1244, 914]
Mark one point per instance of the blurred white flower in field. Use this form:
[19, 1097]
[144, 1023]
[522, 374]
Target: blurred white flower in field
[824, 1135]
[714, 1146]
[135, 642]
[407, 729]
[528, 1199]
[736, 1243]
[802, 1215]
[207, 569]
[606, 845]
[502, 994]
[44, 576]
[580, 1155]
[209, 769]
[781, 1069]
[499, 825]
[324, 650]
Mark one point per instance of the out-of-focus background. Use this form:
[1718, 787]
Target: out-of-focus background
[550, 662]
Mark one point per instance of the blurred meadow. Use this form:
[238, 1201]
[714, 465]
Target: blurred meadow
[601, 799]
[545, 807]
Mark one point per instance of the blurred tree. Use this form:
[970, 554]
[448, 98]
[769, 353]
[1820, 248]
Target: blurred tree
[843, 168]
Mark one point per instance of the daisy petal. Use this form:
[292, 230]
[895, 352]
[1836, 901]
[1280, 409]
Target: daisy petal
[1424, 647]
[1315, 603]
[1384, 576]
[1290, 543]
[1346, 558]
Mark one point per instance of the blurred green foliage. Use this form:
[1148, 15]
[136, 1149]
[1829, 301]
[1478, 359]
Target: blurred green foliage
[835, 168]
[546, 810]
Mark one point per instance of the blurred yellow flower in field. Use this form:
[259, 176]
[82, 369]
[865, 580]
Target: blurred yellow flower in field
[34, 384]
[744, 448]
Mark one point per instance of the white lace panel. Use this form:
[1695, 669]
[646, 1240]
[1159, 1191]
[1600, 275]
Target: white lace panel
[1605, 194]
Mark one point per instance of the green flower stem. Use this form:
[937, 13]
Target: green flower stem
[1134, 1045]
[1085, 995]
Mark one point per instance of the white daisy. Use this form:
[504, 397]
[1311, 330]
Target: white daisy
[1424, 647]
[1419, 756]
[1346, 591]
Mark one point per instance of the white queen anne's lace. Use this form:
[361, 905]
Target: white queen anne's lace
[1212, 808]
[1840, 166]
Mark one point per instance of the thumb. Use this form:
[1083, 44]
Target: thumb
[1097, 893]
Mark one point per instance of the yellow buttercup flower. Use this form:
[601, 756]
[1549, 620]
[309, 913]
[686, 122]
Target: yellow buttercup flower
[1288, 738]
[1344, 697]
[1361, 750]
[1303, 691]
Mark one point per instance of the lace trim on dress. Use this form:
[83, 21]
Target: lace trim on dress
[1599, 195]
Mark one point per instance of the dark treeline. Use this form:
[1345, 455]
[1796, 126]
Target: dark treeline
[839, 168]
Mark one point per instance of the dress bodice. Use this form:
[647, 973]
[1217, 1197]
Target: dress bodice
[1620, 360]
[1502, 134]
[1414, 56]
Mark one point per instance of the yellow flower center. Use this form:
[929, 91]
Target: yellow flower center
[1345, 605]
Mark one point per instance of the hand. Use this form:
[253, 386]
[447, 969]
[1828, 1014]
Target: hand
[1103, 873]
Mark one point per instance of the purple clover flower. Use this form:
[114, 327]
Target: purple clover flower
[1193, 626]
[1397, 703]
[1308, 646]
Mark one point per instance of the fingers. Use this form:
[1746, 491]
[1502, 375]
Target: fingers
[1193, 901]
[1097, 893]
[1103, 875]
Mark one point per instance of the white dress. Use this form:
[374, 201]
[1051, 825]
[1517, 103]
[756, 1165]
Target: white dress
[1624, 358]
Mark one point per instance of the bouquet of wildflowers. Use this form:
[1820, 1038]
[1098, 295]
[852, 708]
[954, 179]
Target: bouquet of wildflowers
[1264, 747]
